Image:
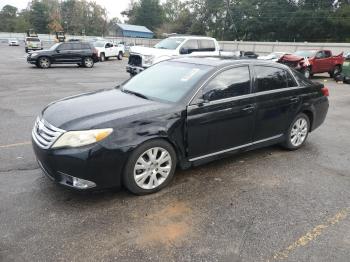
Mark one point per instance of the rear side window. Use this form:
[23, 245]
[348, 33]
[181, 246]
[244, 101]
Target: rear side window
[191, 46]
[291, 80]
[302, 80]
[85, 46]
[230, 83]
[206, 45]
[66, 46]
[76, 46]
[270, 78]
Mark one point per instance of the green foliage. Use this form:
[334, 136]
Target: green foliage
[249, 20]
[44, 16]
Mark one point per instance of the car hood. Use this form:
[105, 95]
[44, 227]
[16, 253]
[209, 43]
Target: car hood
[152, 51]
[101, 109]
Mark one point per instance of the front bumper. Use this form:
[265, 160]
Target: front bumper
[31, 60]
[103, 167]
[134, 69]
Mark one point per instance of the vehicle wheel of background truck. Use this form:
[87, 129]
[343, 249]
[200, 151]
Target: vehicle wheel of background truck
[120, 56]
[307, 72]
[336, 71]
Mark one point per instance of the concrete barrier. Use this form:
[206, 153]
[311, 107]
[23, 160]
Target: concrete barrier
[258, 47]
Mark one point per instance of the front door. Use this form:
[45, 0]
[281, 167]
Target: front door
[221, 117]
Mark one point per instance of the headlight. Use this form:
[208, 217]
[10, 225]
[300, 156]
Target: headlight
[148, 59]
[82, 138]
[34, 54]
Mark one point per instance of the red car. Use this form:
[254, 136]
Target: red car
[311, 62]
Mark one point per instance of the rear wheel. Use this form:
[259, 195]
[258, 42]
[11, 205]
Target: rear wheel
[88, 62]
[120, 56]
[336, 71]
[44, 62]
[297, 132]
[26, 49]
[150, 167]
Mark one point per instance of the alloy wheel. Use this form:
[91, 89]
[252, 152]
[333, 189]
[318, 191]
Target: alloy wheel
[299, 132]
[44, 62]
[152, 168]
[88, 62]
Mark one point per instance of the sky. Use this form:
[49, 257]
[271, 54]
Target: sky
[114, 7]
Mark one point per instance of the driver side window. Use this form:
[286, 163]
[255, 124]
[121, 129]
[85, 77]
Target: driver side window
[320, 55]
[230, 83]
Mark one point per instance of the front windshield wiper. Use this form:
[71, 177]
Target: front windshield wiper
[135, 93]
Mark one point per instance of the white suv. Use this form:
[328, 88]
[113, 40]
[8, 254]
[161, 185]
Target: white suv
[141, 57]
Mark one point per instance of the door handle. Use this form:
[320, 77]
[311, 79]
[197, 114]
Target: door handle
[294, 99]
[248, 108]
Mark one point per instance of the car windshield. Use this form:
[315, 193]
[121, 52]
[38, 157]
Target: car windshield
[13, 39]
[52, 48]
[99, 44]
[33, 39]
[170, 81]
[306, 53]
[169, 43]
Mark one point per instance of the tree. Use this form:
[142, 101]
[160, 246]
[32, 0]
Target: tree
[8, 16]
[147, 12]
[39, 16]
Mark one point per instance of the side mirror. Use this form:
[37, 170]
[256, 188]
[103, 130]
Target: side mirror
[184, 51]
[58, 51]
[211, 95]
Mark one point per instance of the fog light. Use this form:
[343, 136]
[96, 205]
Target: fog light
[82, 184]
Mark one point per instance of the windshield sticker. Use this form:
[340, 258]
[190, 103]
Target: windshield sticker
[187, 77]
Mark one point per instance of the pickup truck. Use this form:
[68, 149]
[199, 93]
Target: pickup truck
[311, 62]
[141, 57]
[107, 49]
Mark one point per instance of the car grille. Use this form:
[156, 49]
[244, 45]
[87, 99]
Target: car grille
[135, 60]
[45, 134]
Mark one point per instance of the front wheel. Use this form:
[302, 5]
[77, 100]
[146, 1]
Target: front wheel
[44, 62]
[150, 167]
[297, 132]
[88, 62]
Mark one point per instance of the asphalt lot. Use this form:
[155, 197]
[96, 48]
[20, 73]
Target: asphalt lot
[264, 205]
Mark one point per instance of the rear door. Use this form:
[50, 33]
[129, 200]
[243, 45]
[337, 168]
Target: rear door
[221, 117]
[278, 99]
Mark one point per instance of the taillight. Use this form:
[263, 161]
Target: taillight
[325, 91]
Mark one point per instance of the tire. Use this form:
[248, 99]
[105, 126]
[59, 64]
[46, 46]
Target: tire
[151, 181]
[102, 57]
[307, 72]
[297, 132]
[88, 62]
[120, 56]
[44, 62]
[339, 78]
[26, 49]
[336, 71]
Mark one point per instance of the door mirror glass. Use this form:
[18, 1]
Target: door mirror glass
[211, 95]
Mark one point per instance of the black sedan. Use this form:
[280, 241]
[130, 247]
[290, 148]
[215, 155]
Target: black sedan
[181, 112]
[80, 53]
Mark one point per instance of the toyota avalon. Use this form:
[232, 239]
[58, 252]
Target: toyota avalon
[178, 113]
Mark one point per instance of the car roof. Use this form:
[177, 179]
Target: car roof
[225, 61]
[192, 37]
